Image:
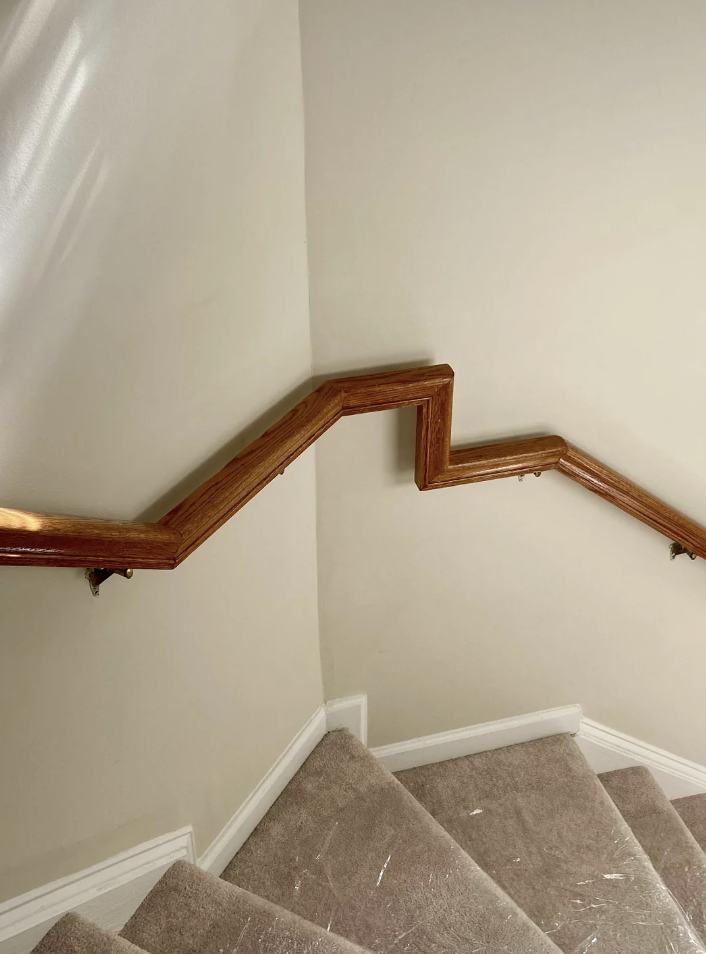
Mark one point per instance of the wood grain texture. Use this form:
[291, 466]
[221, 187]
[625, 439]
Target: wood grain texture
[45, 539]
[509, 459]
[631, 498]
[215, 501]
[33, 539]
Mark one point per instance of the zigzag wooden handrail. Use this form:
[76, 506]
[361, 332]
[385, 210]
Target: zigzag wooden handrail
[36, 539]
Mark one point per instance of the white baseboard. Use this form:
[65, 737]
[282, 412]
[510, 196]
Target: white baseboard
[110, 892]
[107, 893]
[350, 713]
[606, 750]
[478, 738]
[252, 811]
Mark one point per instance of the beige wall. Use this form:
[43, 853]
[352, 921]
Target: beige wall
[153, 304]
[516, 188]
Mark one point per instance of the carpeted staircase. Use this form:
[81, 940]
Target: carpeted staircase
[522, 850]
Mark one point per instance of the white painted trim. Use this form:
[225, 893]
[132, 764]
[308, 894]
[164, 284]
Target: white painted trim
[255, 806]
[350, 713]
[606, 750]
[107, 893]
[478, 738]
[110, 892]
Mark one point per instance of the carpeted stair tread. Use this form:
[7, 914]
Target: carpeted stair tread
[538, 820]
[73, 934]
[692, 811]
[345, 846]
[192, 912]
[677, 857]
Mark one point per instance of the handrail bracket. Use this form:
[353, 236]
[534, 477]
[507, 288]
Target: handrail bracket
[96, 576]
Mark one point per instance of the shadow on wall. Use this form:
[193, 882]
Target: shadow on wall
[406, 429]
[406, 438]
[214, 463]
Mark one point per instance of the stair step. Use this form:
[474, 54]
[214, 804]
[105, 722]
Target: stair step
[677, 857]
[692, 811]
[192, 912]
[347, 847]
[540, 823]
[73, 934]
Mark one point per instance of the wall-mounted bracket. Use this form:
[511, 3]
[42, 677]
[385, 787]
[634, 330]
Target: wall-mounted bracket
[96, 576]
[677, 549]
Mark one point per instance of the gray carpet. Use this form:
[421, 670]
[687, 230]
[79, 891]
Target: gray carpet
[348, 861]
[192, 912]
[75, 935]
[692, 811]
[677, 857]
[345, 846]
[540, 823]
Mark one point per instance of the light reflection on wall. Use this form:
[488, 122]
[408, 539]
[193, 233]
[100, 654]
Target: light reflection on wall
[23, 31]
[38, 106]
[123, 180]
[53, 106]
[51, 172]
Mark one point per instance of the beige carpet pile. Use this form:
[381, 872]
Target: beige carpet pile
[347, 847]
[75, 935]
[692, 811]
[516, 851]
[676, 855]
[540, 823]
[191, 912]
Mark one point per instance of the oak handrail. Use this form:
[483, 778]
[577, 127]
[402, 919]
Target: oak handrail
[40, 539]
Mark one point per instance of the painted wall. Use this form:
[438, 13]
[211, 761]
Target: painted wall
[153, 305]
[517, 189]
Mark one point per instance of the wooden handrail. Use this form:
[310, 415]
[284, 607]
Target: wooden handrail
[39, 539]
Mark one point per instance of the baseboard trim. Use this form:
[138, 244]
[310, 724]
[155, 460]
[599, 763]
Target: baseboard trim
[107, 893]
[252, 811]
[478, 738]
[110, 892]
[350, 713]
[606, 749]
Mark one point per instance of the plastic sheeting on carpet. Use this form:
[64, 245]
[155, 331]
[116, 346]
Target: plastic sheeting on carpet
[345, 846]
[539, 822]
